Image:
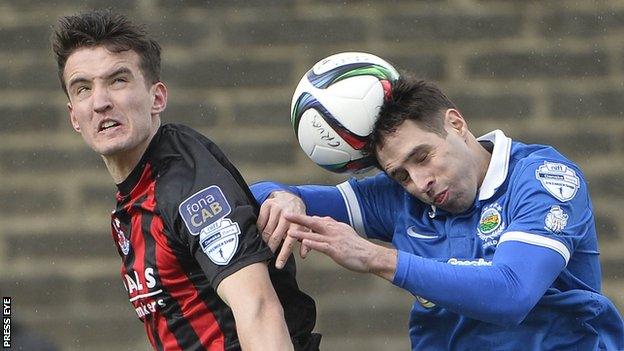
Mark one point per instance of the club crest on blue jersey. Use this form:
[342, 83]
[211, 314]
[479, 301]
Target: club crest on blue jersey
[556, 219]
[204, 209]
[221, 242]
[558, 179]
[122, 241]
[491, 224]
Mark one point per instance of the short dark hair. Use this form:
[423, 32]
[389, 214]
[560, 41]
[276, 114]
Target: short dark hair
[111, 30]
[409, 99]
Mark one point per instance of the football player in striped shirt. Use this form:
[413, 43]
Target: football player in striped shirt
[193, 263]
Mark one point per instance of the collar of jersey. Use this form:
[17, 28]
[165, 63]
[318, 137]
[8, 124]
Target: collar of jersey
[499, 163]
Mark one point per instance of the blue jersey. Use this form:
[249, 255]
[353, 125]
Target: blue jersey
[528, 240]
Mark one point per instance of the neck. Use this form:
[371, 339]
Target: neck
[482, 160]
[121, 164]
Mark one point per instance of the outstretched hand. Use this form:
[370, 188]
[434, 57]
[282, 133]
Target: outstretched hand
[273, 225]
[343, 245]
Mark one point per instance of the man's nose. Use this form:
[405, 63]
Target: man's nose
[101, 100]
[423, 182]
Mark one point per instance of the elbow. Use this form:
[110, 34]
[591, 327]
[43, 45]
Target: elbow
[511, 319]
[514, 311]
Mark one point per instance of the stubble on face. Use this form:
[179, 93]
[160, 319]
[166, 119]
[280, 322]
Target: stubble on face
[447, 168]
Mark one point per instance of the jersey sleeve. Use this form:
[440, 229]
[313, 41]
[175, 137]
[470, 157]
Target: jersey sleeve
[549, 207]
[320, 200]
[366, 204]
[374, 203]
[502, 291]
[211, 210]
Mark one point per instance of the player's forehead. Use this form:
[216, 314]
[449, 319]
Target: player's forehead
[95, 61]
[408, 138]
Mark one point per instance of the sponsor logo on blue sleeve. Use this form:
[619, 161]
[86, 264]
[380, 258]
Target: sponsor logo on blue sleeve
[204, 209]
[558, 179]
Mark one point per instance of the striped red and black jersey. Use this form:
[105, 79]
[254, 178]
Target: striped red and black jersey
[185, 220]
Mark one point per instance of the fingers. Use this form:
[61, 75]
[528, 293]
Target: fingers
[318, 246]
[272, 222]
[303, 250]
[263, 216]
[302, 235]
[278, 234]
[317, 224]
[285, 252]
[310, 240]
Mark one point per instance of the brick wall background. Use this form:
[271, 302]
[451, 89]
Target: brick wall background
[546, 72]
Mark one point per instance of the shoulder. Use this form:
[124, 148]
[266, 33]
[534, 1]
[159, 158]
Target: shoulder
[380, 188]
[189, 165]
[181, 149]
[532, 156]
[180, 131]
[177, 140]
[543, 167]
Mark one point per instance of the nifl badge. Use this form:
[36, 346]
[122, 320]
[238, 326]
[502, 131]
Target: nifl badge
[220, 244]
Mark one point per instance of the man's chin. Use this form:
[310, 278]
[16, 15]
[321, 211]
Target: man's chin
[456, 208]
[110, 150]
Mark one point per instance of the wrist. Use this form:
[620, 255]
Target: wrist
[278, 193]
[382, 262]
[288, 200]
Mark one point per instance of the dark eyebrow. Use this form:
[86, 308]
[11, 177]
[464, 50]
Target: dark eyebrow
[416, 150]
[118, 71]
[77, 80]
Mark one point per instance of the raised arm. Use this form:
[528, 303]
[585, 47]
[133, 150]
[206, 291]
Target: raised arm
[277, 200]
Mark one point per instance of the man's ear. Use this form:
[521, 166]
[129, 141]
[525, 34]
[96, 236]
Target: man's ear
[159, 97]
[72, 118]
[456, 121]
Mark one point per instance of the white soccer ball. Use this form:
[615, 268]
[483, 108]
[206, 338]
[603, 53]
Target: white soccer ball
[335, 107]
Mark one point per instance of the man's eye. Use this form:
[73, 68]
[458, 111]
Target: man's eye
[420, 158]
[81, 90]
[402, 176]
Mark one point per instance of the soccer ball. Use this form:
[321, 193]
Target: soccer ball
[335, 107]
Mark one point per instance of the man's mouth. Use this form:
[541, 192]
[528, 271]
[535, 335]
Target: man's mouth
[440, 198]
[108, 124]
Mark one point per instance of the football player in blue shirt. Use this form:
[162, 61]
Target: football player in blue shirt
[495, 238]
